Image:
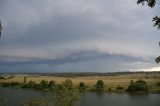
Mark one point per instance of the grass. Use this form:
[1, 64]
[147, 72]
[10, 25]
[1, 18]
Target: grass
[112, 82]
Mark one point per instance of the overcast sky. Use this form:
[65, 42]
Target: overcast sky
[77, 36]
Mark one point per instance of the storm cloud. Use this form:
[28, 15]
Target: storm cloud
[77, 36]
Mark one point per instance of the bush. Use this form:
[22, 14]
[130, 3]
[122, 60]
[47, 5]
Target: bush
[100, 85]
[25, 80]
[44, 84]
[158, 84]
[5, 84]
[66, 97]
[139, 85]
[81, 84]
[14, 84]
[11, 84]
[51, 83]
[119, 88]
[109, 89]
[68, 83]
[81, 87]
[30, 84]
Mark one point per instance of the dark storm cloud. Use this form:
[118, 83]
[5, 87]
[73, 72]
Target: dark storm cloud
[69, 34]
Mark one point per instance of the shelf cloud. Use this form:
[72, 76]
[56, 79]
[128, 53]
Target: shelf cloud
[77, 36]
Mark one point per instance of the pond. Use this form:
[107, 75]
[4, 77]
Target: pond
[15, 97]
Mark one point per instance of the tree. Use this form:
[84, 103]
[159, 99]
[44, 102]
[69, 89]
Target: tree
[100, 85]
[139, 85]
[152, 3]
[156, 19]
[0, 28]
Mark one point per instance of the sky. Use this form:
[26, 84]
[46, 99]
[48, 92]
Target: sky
[78, 36]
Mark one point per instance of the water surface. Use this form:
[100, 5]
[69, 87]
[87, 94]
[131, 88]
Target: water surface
[15, 97]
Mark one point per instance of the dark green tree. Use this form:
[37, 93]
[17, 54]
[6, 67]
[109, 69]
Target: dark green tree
[152, 3]
[100, 85]
[139, 85]
[156, 19]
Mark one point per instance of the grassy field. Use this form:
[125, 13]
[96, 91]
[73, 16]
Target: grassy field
[110, 81]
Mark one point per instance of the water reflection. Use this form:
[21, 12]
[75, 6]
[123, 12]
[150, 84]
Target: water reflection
[15, 97]
[3, 101]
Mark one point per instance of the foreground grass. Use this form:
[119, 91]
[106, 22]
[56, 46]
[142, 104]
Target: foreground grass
[111, 82]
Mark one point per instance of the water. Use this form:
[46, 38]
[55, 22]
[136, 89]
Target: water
[15, 97]
[117, 99]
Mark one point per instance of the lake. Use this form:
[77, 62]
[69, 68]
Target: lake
[15, 97]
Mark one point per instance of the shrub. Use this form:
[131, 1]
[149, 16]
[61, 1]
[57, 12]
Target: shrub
[68, 83]
[109, 89]
[44, 84]
[139, 85]
[66, 97]
[81, 87]
[119, 88]
[51, 83]
[30, 84]
[25, 80]
[81, 84]
[5, 84]
[158, 84]
[12, 84]
[100, 85]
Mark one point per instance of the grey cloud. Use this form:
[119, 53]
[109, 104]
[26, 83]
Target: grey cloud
[42, 32]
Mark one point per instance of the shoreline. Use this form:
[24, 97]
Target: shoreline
[87, 91]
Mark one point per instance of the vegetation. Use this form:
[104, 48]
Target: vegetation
[44, 84]
[109, 89]
[81, 84]
[51, 84]
[100, 85]
[36, 102]
[64, 96]
[25, 80]
[30, 84]
[15, 84]
[67, 92]
[152, 3]
[139, 85]
[68, 84]
[82, 87]
[158, 84]
[112, 81]
[119, 87]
